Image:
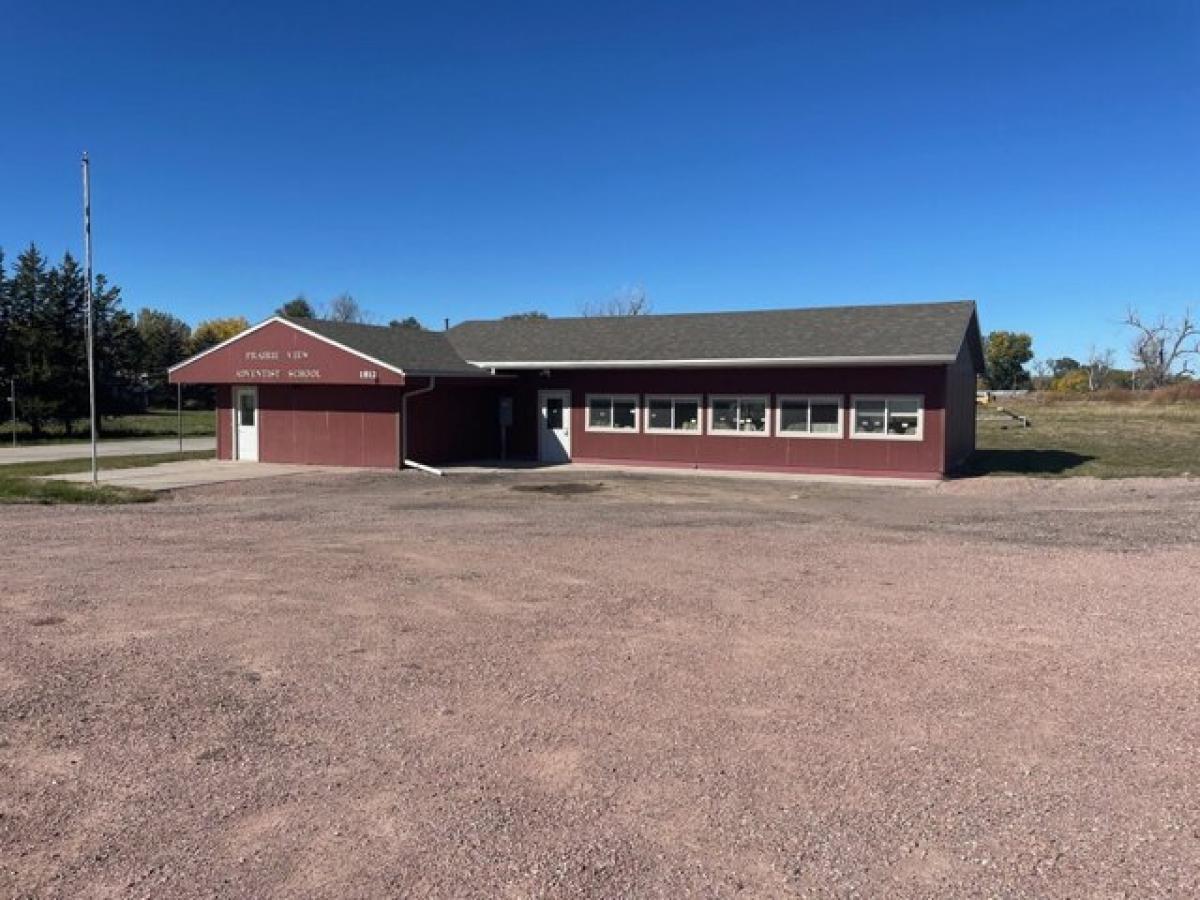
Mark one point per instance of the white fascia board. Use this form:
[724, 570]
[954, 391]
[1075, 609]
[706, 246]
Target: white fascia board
[340, 346]
[288, 322]
[748, 362]
[223, 344]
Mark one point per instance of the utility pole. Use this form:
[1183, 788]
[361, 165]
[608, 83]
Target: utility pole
[12, 398]
[87, 253]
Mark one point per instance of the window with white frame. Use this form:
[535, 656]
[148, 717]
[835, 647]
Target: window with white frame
[673, 415]
[737, 415]
[819, 417]
[612, 412]
[888, 417]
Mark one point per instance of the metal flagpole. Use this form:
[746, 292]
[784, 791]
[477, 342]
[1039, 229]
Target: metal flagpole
[87, 255]
[12, 398]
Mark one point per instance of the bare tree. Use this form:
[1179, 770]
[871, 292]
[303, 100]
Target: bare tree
[1043, 373]
[630, 301]
[344, 308]
[1163, 348]
[1099, 365]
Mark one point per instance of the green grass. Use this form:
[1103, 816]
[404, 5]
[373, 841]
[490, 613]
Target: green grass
[1105, 439]
[19, 482]
[152, 423]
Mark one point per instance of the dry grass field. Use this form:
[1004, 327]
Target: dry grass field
[1099, 438]
[619, 686]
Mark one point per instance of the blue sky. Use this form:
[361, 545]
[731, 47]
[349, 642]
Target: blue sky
[469, 160]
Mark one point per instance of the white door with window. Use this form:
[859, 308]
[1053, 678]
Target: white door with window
[245, 424]
[554, 426]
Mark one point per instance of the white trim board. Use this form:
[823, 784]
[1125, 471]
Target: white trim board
[698, 399]
[302, 330]
[886, 435]
[810, 399]
[612, 402]
[764, 399]
[749, 362]
[224, 343]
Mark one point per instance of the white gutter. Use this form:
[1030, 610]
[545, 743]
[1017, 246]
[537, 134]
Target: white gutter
[733, 361]
[422, 467]
[405, 462]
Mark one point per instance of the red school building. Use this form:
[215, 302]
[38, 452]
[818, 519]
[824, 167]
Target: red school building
[865, 390]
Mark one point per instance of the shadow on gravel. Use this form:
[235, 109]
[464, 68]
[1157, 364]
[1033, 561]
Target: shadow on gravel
[563, 489]
[1023, 462]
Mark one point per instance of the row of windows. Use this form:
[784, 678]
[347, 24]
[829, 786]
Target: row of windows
[889, 417]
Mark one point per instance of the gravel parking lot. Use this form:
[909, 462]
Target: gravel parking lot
[599, 685]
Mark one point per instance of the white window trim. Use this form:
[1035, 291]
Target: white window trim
[884, 435]
[811, 399]
[637, 413]
[765, 399]
[698, 399]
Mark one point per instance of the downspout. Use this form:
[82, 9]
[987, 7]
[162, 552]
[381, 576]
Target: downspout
[405, 462]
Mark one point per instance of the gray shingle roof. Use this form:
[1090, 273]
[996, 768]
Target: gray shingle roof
[904, 332]
[411, 350]
[911, 332]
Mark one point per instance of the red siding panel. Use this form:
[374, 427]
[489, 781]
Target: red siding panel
[329, 425]
[280, 354]
[960, 410]
[358, 425]
[224, 422]
[924, 457]
[457, 422]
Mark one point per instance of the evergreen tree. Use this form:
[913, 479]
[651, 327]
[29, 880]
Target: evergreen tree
[118, 352]
[164, 341]
[42, 344]
[6, 325]
[408, 322]
[27, 293]
[297, 308]
[60, 333]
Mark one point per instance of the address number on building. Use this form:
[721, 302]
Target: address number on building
[368, 375]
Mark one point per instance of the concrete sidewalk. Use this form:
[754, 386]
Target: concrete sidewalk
[156, 446]
[525, 467]
[198, 472]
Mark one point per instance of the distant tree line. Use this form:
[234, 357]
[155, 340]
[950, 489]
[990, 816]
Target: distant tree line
[342, 308]
[629, 301]
[42, 344]
[1164, 351]
[1007, 354]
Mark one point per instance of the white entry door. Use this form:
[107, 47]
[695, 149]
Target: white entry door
[554, 426]
[245, 424]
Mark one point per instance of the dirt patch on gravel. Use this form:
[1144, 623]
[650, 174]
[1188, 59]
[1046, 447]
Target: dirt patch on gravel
[561, 488]
[394, 685]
